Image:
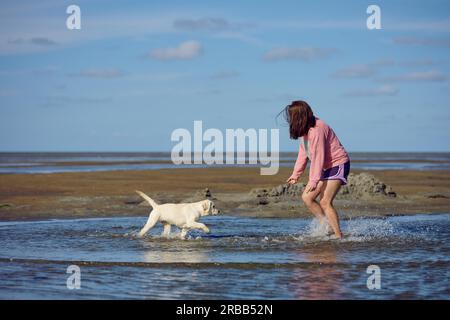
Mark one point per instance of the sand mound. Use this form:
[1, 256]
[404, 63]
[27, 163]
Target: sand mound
[365, 185]
[200, 195]
[283, 190]
[360, 186]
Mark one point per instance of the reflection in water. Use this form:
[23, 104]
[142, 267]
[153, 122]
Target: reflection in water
[174, 256]
[322, 279]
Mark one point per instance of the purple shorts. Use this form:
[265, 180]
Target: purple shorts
[339, 172]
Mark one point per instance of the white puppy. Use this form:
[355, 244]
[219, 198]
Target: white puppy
[182, 215]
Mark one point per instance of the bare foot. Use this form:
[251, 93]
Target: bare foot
[326, 226]
[328, 230]
[337, 237]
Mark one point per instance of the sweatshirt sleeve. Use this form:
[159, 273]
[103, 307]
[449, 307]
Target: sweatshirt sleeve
[300, 164]
[317, 151]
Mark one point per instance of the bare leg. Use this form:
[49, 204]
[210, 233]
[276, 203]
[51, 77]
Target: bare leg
[166, 231]
[329, 191]
[198, 225]
[310, 201]
[152, 220]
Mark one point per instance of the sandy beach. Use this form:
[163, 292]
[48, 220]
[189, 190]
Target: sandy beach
[235, 190]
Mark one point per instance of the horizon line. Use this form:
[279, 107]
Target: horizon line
[165, 151]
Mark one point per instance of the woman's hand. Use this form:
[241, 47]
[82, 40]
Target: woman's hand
[292, 180]
[310, 187]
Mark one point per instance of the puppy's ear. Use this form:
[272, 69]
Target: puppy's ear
[205, 205]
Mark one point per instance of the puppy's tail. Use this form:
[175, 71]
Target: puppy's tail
[147, 198]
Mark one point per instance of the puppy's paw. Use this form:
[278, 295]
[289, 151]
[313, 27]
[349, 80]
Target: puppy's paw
[206, 229]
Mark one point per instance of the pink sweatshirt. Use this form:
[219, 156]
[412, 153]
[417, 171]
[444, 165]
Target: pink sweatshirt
[324, 150]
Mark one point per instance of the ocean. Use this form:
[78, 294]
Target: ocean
[53, 162]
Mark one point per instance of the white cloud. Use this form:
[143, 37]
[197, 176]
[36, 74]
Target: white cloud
[43, 41]
[360, 71]
[185, 51]
[211, 24]
[421, 76]
[383, 63]
[386, 90]
[394, 24]
[37, 31]
[62, 100]
[39, 41]
[100, 73]
[417, 25]
[439, 42]
[33, 72]
[356, 71]
[202, 24]
[302, 53]
[418, 63]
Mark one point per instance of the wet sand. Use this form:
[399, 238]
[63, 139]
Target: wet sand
[101, 194]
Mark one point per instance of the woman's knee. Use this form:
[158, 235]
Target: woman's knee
[325, 203]
[307, 199]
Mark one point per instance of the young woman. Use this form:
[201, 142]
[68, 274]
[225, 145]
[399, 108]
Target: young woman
[330, 163]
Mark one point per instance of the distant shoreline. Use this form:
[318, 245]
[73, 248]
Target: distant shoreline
[111, 193]
[58, 162]
[105, 163]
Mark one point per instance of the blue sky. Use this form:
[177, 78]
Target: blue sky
[137, 70]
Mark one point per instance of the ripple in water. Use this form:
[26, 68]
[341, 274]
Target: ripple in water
[283, 258]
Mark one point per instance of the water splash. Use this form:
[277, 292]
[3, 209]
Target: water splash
[354, 230]
[368, 229]
[319, 230]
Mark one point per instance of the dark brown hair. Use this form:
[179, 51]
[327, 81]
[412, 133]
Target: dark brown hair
[300, 118]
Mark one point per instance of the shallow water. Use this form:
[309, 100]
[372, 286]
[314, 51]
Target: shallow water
[249, 258]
